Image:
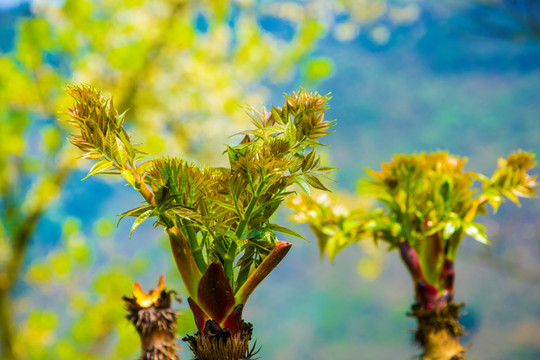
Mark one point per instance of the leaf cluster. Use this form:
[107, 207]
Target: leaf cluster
[430, 205]
[431, 195]
[511, 180]
[421, 193]
[101, 133]
[223, 212]
[430, 201]
[332, 222]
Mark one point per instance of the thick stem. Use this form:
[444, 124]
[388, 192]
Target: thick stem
[6, 323]
[439, 331]
[228, 262]
[185, 262]
[195, 247]
[247, 215]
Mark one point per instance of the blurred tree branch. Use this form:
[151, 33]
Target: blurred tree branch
[23, 225]
[151, 55]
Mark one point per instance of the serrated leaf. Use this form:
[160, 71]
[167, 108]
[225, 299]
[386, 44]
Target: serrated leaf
[109, 144]
[121, 151]
[99, 167]
[145, 215]
[92, 155]
[311, 143]
[315, 182]
[143, 167]
[303, 185]
[119, 118]
[124, 137]
[307, 164]
[290, 133]
[276, 115]
[186, 214]
[233, 155]
[136, 212]
[296, 164]
[326, 168]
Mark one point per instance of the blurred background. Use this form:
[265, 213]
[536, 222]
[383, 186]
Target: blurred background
[405, 76]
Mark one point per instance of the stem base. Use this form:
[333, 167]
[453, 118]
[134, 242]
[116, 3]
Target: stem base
[216, 343]
[439, 331]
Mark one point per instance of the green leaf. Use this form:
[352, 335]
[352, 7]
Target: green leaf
[326, 168]
[145, 215]
[233, 155]
[136, 212]
[511, 196]
[445, 192]
[109, 144]
[297, 163]
[143, 167]
[450, 228]
[277, 116]
[185, 213]
[290, 133]
[122, 152]
[99, 167]
[477, 232]
[120, 118]
[303, 185]
[126, 141]
[284, 230]
[494, 198]
[315, 182]
[92, 155]
[223, 204]
[307, 164]
[332, 246]
[128, 175]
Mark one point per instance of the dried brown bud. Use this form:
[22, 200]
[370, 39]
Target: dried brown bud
[155, 321]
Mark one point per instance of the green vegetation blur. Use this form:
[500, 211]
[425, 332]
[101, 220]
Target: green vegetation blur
[405, 76]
